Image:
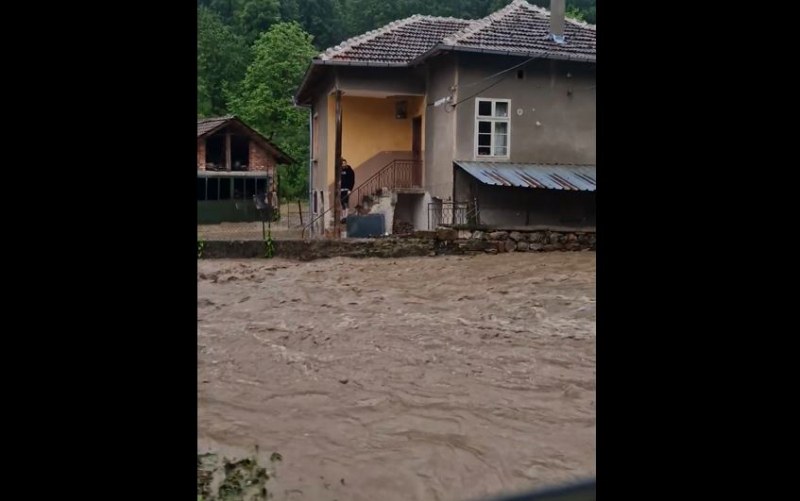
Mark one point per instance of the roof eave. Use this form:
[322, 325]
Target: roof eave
[298, 96]
[301, 97]
[441, 47]
[222, 124]
[280, 155]
[347, 62]
[429, 53]
[501, 52]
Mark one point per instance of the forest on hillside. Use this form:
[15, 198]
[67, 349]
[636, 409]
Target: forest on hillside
[252, 54]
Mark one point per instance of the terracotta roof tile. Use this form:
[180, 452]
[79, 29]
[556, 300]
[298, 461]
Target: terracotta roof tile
[524, 28]
[517, 28]
[398, 42]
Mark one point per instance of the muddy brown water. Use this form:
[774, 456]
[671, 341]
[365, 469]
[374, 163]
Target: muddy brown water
[448, 378]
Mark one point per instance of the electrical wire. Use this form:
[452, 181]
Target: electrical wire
[473, 95]
[450, 106]
[461, 86]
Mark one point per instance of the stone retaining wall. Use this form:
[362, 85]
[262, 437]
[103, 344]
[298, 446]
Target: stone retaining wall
[307, 250]
[520, 241]
[420, 243]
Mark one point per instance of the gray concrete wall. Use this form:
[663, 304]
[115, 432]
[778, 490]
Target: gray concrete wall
[404, 210]
[421, 212]
[320, 176]
[465, 185]
[321, 159]
[439, 128]
[413, 208]
[554, 126]
[516, 207]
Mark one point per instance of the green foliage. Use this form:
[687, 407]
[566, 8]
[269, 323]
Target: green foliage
[586, 10]
[280, 57]
[575, 13]
[269, 245]
[331, 21]
[222, 58]
[203, 98]
[201, 246]
[256, 16]
[225, 9]
[583, 10]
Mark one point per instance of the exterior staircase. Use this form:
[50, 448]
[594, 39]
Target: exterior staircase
[397, 175]
[375, 192]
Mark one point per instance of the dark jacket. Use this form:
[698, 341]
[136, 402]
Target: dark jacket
[348, 178]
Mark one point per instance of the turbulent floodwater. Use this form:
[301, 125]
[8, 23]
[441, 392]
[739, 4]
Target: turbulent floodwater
[447, 378]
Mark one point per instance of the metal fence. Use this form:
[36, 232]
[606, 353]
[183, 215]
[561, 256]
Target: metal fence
[395, 174]
[288, 224]
[453, 214]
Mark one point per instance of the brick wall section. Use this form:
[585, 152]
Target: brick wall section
[262, 160]
[201, 154]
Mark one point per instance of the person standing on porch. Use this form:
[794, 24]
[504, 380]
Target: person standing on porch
[348, 183]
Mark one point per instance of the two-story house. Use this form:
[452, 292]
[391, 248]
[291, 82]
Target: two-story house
[489, 120]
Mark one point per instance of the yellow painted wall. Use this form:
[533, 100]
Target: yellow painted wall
[370, 127]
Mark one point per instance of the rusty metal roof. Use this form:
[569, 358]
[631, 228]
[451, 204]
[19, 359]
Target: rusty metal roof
[552, 177]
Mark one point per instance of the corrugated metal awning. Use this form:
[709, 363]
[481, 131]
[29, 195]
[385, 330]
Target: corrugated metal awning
[552, 177]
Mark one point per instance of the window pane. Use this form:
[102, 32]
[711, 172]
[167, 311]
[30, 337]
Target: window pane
[501, 140]
[201, 188]
[249, 188]
[225, 189]
[238, 188]
[483, 150]
[485, 108]
[485, 127]
[213, 188]
[501, 109]
[500, 151]
[501, 127]
[484, 139]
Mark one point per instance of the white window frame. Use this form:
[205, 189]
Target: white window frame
[493, 119]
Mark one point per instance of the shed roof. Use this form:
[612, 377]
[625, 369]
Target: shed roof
[207, 126]
[543, 176]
